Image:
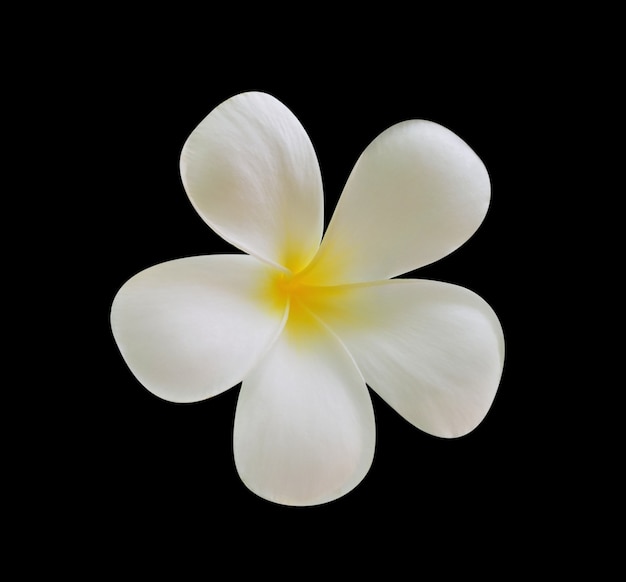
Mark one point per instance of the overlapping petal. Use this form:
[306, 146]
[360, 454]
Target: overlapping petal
[416, 194]
[191, 328]
[251, 172]
[304, 426]
[434, 351]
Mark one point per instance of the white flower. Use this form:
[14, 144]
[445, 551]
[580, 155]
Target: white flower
[303, 325]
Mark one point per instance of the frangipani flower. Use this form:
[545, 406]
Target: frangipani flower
[305, 323]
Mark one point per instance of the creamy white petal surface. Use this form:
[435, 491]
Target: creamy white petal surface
[432, 350]
[251, 172]
[304, 426]
[416, 194]
[191, 328]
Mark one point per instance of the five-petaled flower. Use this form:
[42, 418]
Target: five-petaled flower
[304, 322]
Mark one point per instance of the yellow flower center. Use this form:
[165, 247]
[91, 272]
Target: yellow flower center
[308, 300]
[289, 289]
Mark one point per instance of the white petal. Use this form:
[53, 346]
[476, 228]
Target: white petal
[433, 351]
[304, 426]
[251, 172]
[416, 194]
[191, 328]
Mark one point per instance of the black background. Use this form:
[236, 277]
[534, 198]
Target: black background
[142, 464]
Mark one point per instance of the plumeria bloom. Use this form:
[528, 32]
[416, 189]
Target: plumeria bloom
[306, 323]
